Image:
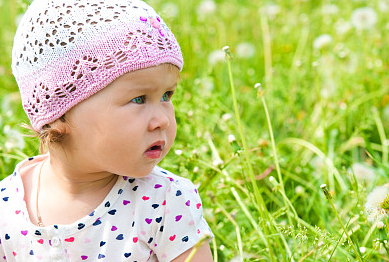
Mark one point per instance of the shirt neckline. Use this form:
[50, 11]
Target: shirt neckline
[81, 224]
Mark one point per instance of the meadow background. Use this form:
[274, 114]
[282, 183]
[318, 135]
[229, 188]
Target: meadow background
[322, 69]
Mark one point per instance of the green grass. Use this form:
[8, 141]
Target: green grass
[319, 112]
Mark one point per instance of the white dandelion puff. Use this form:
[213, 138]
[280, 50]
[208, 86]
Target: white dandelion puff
[374, 203]
[363, 18]
[216, 56]
[206, 7]
[322, 41]
[245, 50]
[363, 172]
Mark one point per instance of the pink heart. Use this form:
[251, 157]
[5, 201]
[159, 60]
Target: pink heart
[40, 241]
[171, 238]
[17, 212]
[191, 223]
[187, 203]
[198, 205]
[84, 257]
[114, 228]
[135, 239]
[164, 255]
[126, 202]
[24, 232]
[178, 218]
[143, 233]
[145, 198]
[70, 239]
[87, 240]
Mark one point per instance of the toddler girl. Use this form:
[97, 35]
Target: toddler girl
[96, 78]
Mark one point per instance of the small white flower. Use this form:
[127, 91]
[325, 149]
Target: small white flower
[380, 225]
[362, 250]
[245, 50]
[170, 9]
[195, 169]
[190, 113]
[218, 162]
[216, 56]
[299, 190]
[178, 152]
[206, 7]
[363, 18]
[228, 116]
[322, 41]
[231, 138]
[363, 172]
[373, 203]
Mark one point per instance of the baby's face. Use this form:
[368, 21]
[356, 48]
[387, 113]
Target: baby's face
[128, 127]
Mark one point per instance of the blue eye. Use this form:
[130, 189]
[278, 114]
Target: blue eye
[166, 96]
[138, 100]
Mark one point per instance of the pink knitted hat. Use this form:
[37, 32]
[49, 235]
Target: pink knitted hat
[67, 50]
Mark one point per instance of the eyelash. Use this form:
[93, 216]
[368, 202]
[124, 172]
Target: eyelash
[143, 98]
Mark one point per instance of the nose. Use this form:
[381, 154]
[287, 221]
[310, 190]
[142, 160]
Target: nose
[159, 119]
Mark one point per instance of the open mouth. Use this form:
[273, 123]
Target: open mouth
[155, 150]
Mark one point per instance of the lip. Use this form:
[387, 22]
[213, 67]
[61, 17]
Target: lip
[154, 151]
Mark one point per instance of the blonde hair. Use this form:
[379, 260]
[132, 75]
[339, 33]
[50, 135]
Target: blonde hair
[49, 135]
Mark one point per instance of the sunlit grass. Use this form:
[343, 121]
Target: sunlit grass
[322, 117]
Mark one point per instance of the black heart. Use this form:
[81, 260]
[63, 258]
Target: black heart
[81, 226]
[112, 212]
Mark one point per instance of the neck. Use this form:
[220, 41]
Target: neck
[73, 179]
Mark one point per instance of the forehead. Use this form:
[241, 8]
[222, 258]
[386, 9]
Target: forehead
[161, 76]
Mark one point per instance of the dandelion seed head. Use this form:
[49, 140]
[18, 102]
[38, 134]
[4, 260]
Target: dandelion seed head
[363, 172]
[215, 57]
[363, 18]
[322, 41]
[206, 7]
[374, 201]
[245, 50]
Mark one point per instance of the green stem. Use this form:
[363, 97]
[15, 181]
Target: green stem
[328, 196]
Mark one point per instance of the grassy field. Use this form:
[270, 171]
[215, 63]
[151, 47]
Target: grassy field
[301, 100]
